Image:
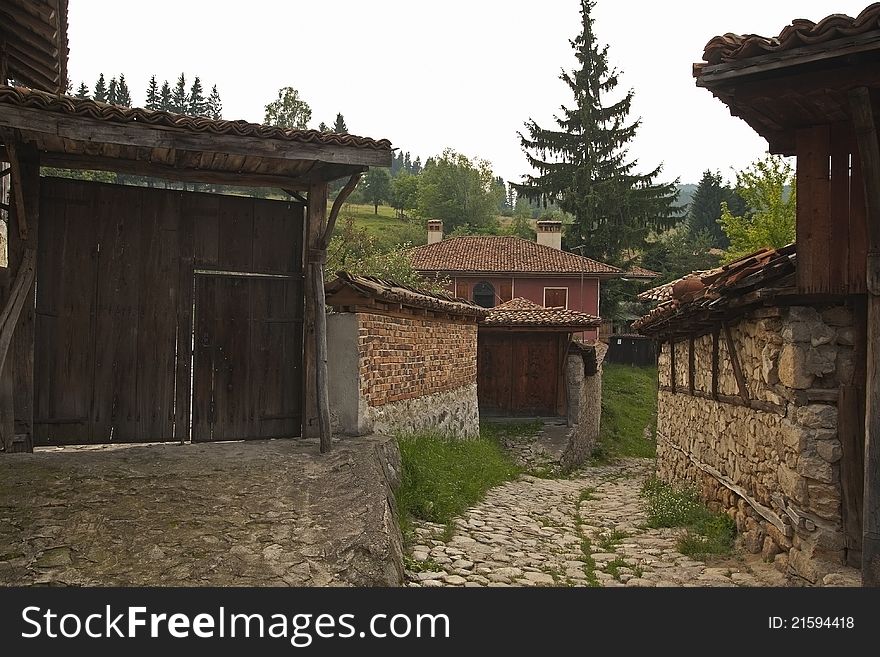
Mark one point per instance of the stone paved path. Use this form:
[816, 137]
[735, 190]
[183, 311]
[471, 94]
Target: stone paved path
[583, 531]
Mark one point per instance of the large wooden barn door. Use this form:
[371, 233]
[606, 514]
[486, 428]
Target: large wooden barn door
[248, 353]
[117, 269]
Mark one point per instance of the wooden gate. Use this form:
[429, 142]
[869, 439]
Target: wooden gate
[519, 373]
[113, 351]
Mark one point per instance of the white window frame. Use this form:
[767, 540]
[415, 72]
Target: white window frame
[556, 288]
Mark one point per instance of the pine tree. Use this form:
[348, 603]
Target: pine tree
[197, 105]
[583, 165]
[179, 100]
[407, 164]
[416, 167]
[705, 208]
[100, 90]
[113, 92]
[323, 127]
[83, 91]
[215, 105]
[339, 127]
[165, 97]
[123, 95]
[153, 102]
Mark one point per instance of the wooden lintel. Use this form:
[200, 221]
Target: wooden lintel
[735, 400]
[168, 172]
[734, 361]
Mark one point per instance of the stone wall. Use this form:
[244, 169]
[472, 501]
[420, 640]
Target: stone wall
[391, 374]
[775, 470]
[584, 411]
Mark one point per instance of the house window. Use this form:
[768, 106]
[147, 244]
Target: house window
[484, 294]
[556, 297]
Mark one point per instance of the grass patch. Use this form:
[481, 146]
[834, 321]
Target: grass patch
[629, 404]
[613, 567]
[441, 477]
[610, 540]
[587, 495]
[389, 231]
[706, 532]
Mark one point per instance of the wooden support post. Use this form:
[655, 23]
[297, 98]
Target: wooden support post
[691, 365]
[734, 361]
[869, 155]
[716, 336]
[17, 336]
[315, 215]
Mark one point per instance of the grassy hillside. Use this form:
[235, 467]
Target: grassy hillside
[629, 410]
[389, 231]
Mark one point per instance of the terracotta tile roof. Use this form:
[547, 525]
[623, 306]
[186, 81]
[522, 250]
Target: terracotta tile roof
[31, 98]
[390, 292]
[664, 292]
[732, 47]
[701, 300]
[502, 254]
[522, 312]
[640, 272]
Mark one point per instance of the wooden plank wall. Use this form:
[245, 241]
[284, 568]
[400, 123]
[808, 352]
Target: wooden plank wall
[831, 217]
[114, 340]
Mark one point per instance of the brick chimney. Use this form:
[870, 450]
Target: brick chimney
[435, 231]
[549, 234]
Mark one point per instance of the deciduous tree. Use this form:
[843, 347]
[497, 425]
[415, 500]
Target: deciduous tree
[377, 187]
[288, 110]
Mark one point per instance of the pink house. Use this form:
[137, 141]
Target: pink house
[490, 270]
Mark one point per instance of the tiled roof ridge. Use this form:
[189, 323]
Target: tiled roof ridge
[522, 312]
[391, 291]
[801, 32]
[33, 98]
[587, 265]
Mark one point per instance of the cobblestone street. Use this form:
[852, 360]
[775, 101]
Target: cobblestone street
[583, 531]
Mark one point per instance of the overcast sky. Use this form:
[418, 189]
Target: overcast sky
[459, 73]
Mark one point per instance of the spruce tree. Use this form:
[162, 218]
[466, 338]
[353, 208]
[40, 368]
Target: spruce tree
[197, 105]
[705, 209]
[153, 102]
[165, 97]
[339, 127]
[215, 105]
[113, 92]
[100, 90]
[179, 100]
[123, 95]
[583, 164]
[83, 91]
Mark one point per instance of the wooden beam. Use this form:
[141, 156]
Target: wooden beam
[316, 212]
[344, 193]
[18, 195]
[168, 172]
[89, 130]
[317, 257]
[734, 361]
[864, 122]
[716, 335]
[691, 367]
[18, 294]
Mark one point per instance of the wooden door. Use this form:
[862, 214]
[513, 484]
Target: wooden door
[518, 373]
[247, 380]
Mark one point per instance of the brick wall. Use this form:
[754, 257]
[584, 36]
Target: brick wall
[405, 358]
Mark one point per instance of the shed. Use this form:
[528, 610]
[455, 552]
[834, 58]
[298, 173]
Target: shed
[158, 314]
[522, 353]
[631, 349]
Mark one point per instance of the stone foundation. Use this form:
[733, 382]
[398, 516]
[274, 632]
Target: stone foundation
[451, 413]
[774, 470]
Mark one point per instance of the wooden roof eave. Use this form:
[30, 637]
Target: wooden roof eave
[84, 136]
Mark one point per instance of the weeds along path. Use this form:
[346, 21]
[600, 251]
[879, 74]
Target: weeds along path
[584, 531]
